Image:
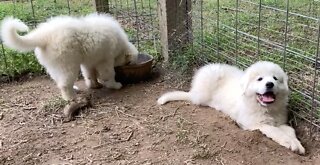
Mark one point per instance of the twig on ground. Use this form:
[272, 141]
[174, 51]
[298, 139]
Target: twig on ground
[127, 114]
[224, 145]
[89, 160]
[29, 108]
[100, 145]
[75, 105]
[163, 118]
[26, 157]
[128, 138]
[21, 142]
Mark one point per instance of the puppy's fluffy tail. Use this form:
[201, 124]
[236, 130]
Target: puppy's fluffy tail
[173, 96]
[12, 39]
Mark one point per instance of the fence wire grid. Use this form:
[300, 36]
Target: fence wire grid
[237, 32]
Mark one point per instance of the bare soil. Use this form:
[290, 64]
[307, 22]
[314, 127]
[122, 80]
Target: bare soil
[128, 127]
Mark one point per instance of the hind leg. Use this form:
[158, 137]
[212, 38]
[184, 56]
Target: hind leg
[64, 78]
[90, 75]
[65, 84]
[107, 75]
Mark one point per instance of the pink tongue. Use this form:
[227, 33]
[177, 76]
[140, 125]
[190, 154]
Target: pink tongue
[267, 98]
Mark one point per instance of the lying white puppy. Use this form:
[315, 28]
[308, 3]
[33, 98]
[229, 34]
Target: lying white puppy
[255, 98]
[95, 43]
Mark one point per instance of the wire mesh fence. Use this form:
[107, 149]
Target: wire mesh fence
[138, 17]
[286, 32]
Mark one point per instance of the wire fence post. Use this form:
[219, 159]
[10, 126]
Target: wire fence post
[137, 23]
[69, 9]
[33, 14]
[218, 29]
[101, 6]
[286, 37]
[4, 57]
[201, 24]
[237, 33]
[315, 78]
[259, 28]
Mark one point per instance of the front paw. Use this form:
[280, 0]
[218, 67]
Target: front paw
[113, 85]
[93, 84]
[293, 144]
[76, 89]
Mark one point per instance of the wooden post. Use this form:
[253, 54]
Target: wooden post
[175, 25]
[101, 6]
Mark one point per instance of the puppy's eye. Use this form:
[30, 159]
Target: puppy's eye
[275, 78]
[259, 79]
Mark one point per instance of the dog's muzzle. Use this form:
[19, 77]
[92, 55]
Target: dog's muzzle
[266, 98]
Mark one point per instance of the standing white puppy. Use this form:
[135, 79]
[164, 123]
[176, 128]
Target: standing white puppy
[63, 44]
[255, 98]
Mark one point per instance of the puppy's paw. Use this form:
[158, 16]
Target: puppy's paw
[95, 86]
[294, 145]
[113, 85]
[300, 149]
[161, 100]
[76, 88]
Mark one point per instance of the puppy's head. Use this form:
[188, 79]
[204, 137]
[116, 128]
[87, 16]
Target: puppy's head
[130, 56]
[266, 82]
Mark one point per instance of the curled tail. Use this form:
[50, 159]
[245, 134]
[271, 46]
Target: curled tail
[173, 96]
[13, 40]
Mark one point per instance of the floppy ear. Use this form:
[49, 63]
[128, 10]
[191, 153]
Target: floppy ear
[127, 59]
[285, 82]
[244, 82]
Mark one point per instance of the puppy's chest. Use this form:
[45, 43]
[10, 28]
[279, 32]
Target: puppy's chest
[249, 120]
[272, 118]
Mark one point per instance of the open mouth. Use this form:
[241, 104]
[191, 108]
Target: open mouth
[266, 98]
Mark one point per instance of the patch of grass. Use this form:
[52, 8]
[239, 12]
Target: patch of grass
[13, 63]
[183, 131]
[202, 152]
[183, 59]
[54, 105]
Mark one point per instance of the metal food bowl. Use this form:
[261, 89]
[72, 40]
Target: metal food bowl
[135, 72]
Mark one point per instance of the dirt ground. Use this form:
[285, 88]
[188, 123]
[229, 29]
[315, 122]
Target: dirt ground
[128, 127]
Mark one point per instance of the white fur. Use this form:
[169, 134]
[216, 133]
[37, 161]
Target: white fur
[95, 43]
[234, 92]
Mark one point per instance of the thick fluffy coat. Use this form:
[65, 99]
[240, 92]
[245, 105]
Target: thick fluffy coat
[255, 98]
[95, 43]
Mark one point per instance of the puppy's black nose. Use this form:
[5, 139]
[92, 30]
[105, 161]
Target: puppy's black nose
[269, 85]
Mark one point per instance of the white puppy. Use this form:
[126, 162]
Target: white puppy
[95, 43]
[255, 98]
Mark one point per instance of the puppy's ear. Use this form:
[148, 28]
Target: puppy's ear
[127, 58]
[285, 81]
[244, 82]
